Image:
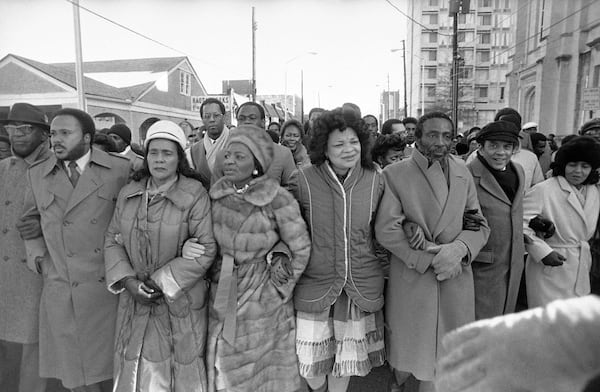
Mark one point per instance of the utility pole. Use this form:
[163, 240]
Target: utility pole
[456, 7]
[404, 62]
[302, 96]
[78, 58]
[254, 26]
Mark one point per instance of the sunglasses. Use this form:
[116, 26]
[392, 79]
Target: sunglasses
[25, 129]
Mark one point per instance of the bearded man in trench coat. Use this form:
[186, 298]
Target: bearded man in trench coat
[74, 194]
[430, 291]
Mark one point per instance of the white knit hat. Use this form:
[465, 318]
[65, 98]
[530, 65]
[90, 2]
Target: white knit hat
[165, 129]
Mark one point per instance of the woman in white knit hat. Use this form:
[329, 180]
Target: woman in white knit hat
[161, 325]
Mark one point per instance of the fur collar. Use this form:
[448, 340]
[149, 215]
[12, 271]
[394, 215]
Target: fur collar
[261, 191]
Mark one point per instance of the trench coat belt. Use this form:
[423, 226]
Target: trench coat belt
[226, 298]
[585, 258]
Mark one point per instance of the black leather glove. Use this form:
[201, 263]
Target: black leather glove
[554, 259]
[543, 227]
[472, 220]
[141, 292]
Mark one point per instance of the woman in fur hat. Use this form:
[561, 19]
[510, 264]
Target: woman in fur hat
[251, 317]
[558, 267]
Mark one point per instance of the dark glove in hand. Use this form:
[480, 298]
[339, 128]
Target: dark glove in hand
[281, 268]
[141, 293]
[472, 220]
[543, 227]
[152, 284]
[554, 259]
[29, 228]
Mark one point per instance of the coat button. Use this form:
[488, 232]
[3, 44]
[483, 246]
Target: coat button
[94, 221]
[7, 202]
[101, 279]
[66, 223]
[4, 231]
[69, 254]
[97, 250]
[23, 260]
[74, 284]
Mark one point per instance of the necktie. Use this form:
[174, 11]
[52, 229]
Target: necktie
[74, 176]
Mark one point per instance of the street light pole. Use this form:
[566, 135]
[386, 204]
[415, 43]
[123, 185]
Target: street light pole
[404, 64]
[285, 94]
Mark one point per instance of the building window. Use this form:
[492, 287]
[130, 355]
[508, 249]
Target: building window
[502, 93]
[482, 92]
[483, 75]
[484, 3]
[461, 36]
[431, 73]
[431, 55]
[185, 83]
[483, 56]
[484, 38]
[462, 18]
[485, 20]
[433, 37]
[433, 19]
[465, 72]
[433, 3]
[430, 91]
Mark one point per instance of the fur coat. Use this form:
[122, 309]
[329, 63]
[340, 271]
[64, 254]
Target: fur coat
[262, 356]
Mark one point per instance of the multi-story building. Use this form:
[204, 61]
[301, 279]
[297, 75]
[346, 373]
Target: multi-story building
[390, 106]
[485, 40]
[556, 61]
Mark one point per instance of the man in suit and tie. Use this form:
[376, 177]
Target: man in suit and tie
[73, 195]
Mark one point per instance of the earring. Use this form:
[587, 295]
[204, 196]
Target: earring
[255, 172]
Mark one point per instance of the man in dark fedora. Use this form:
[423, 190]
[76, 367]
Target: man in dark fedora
[20, 288]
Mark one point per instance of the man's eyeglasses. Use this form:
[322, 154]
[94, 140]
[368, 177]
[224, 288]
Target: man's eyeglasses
[209, 116]
[25, 129]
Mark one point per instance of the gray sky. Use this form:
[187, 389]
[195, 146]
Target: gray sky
[353, 39]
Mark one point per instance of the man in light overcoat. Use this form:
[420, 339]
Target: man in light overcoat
[74, 194]
[430, 291]
[20, 288]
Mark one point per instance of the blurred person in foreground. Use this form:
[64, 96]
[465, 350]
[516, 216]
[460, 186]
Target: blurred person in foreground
[162, 316]
[551, 349]
[339, 298]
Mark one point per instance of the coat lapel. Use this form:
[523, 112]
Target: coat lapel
[458, 188]
[59, 184]
[590, 210]
[435, 177]
[90, 179]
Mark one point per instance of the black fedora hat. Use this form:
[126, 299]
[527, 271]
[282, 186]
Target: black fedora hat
[27, 113]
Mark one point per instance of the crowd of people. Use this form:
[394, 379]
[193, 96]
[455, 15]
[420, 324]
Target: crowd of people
[266, 258]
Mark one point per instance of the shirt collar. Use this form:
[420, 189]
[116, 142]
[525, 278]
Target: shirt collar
[82, 162]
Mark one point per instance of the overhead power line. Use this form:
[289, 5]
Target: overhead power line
[415, 21]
